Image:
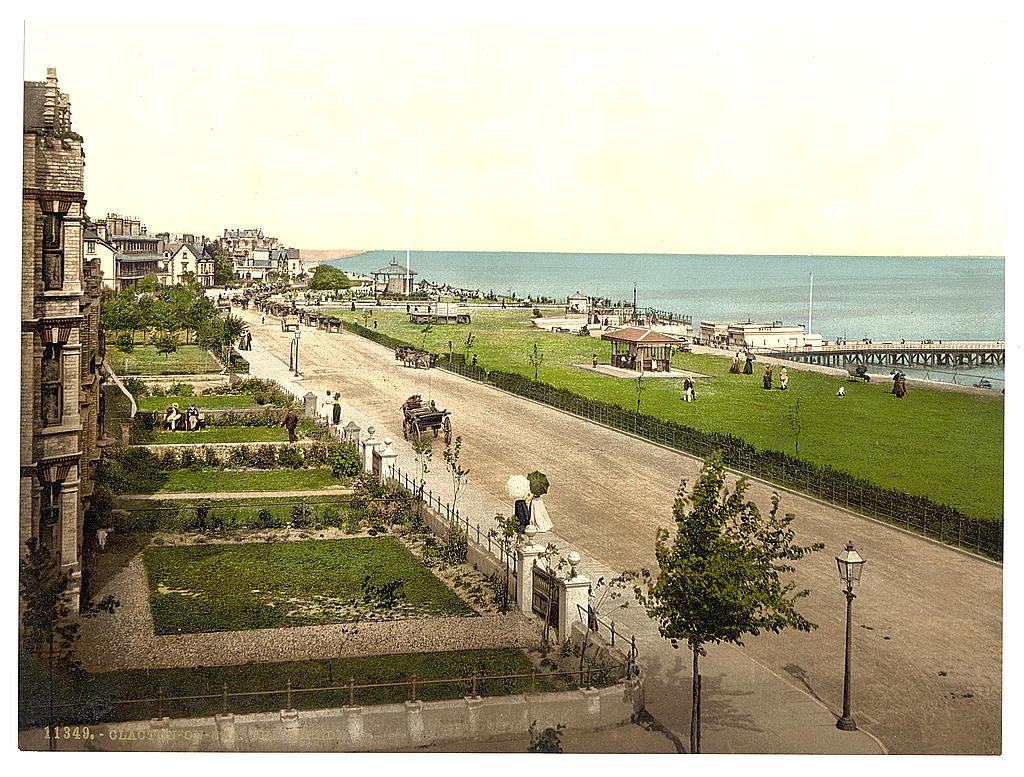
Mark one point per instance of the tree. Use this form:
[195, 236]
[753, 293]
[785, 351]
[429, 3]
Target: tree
[165, 342]
[452, 453]
[640, 388]
[424, 453]
[223, 270]
[328, 278]
[720, 576]
[796, 424]
[508, 539]
[48, 635]
[536, 358]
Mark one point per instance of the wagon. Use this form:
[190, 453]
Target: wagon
[290, 323]
[419, 418]
[413, 357]
[859, 372]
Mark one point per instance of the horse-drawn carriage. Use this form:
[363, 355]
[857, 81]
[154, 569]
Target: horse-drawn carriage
[414, 357]
[420, 418]
[290, 322]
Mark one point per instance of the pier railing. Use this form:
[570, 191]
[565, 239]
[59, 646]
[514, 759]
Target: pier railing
[917, 514]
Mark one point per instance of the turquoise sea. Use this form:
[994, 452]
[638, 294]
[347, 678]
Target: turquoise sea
[855, 297]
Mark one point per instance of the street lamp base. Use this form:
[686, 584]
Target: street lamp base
[846, 724]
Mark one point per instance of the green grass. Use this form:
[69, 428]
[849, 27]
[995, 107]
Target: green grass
[91, 690]
[215, 434]
[203, 481]
[205, 588]
[205, 401]
[945, 445]
[144, 360]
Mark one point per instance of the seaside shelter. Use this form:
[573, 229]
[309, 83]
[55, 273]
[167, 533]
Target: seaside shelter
[643, 350]
[393, 279]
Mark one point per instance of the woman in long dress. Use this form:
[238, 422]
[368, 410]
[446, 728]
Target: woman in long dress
[539, 517]
[767, 380]
[783, 379]
[735, 368]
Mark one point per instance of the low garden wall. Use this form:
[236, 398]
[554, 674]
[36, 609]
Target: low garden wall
[223, 449]
[379, 728]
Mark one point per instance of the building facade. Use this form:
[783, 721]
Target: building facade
[61, 349]
[730, 334]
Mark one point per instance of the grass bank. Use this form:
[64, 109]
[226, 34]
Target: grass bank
[217, 434]
[203, 588]
[145, 360]
[941, 444]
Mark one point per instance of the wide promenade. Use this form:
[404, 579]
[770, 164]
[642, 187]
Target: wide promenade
[927, 619]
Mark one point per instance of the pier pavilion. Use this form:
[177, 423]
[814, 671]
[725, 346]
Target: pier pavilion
[927, 353]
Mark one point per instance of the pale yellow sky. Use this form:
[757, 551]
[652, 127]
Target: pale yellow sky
[832, 137]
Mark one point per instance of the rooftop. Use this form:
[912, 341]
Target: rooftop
[394, 269]
[634, 334]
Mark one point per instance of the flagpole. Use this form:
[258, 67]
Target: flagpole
[810, 304]
[408, 241]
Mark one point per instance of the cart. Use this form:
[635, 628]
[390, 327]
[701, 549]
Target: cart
[414, 357]
[420, 418]
[290, 323]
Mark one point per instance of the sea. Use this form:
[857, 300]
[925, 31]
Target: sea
[841, 297]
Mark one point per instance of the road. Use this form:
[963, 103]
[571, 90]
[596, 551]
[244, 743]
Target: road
[927, 618]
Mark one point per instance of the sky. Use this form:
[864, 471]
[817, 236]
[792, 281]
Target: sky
[781, 134]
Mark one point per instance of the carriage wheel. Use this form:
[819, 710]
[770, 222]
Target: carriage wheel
[416, 433]
[447, 430]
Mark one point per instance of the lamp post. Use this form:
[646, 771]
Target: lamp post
[295, 353]
[850, 566]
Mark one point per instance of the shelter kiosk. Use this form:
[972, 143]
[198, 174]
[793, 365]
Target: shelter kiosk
[393, 279]
[643, 350]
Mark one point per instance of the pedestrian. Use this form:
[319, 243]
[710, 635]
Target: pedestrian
[735, 368]
[374, 323]
[291, 420]
[336, 409]
[841, 392]
[748, 368]
[783, 379]
[595, 359]
[101, 538]
[687, 388]
[263, 319]
[767, 380]
[325, 407]
[474, 360]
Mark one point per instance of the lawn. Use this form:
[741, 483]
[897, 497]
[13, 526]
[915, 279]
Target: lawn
[208, 481]
[942, 444]
[203, 588]
[92, 689]
[215, 434]
[205, 401]
[144, 360]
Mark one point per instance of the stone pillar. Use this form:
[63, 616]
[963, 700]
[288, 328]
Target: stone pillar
[573, 599]
[351, 432]
[526, 555]
[309, 401]
[384, 459]
[368, 448]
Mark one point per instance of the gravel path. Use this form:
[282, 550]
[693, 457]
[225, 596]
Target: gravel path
[125, 640]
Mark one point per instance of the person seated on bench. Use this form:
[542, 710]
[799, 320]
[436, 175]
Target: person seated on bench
[172, 417]
[192, 418]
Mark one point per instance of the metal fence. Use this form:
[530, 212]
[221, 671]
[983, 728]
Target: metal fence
[914, 513]
[161, 703]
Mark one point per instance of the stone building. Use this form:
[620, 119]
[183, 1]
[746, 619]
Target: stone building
[61, 349]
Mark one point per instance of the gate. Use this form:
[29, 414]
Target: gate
[545, 596]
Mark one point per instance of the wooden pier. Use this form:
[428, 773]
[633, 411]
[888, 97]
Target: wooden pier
[927, 353]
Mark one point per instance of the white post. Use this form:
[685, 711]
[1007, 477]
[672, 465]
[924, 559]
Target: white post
[526, 556]
[387, 459]
[574, 599]
[368, 448]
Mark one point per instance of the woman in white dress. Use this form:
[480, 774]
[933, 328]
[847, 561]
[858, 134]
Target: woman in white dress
[539, 517]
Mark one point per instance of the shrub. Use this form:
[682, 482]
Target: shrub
[136, 386]
[264, 457]
[169, 459]
[290, 457]
[157, 391]
[454, 549]
[383, 595]
[240, 457]
[210, 459]
[302, 516]
[265, 519]
[351, 524]
[329, 516]
[315, 456]
[180, 390]
[344, 460]
[189, 460]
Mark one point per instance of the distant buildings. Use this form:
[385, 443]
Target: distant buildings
[61, 349]
[128, 253]
[729, 334]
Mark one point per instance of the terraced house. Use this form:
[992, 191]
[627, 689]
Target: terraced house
[61, 350]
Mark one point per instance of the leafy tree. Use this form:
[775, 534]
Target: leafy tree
[166, 342]
[452, 454]
[328, 278]
[223, 270]
[721, 574]
[508, 539]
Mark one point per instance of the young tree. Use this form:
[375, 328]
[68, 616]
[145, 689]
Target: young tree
[424, 453]
[165, 342]
[796, 424]
[721, 574]
[536, 358]
[640, 388]
[508, 539]
[452, 454]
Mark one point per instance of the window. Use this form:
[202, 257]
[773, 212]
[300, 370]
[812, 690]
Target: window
[49, 516]
[90, 246]
[52, 385]
[53, 254]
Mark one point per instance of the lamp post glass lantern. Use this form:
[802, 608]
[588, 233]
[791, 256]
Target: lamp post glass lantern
[850, 566]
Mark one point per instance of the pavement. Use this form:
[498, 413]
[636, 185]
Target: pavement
[927, 620]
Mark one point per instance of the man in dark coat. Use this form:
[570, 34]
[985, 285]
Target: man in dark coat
[291, 420]
[336, 410]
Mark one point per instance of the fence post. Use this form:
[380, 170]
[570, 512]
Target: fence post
[473, 684]
[224, 698]
[160, 702]
[413, 688]
[351, 692]
[288, 706]
[613, 632]
[533, 680]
